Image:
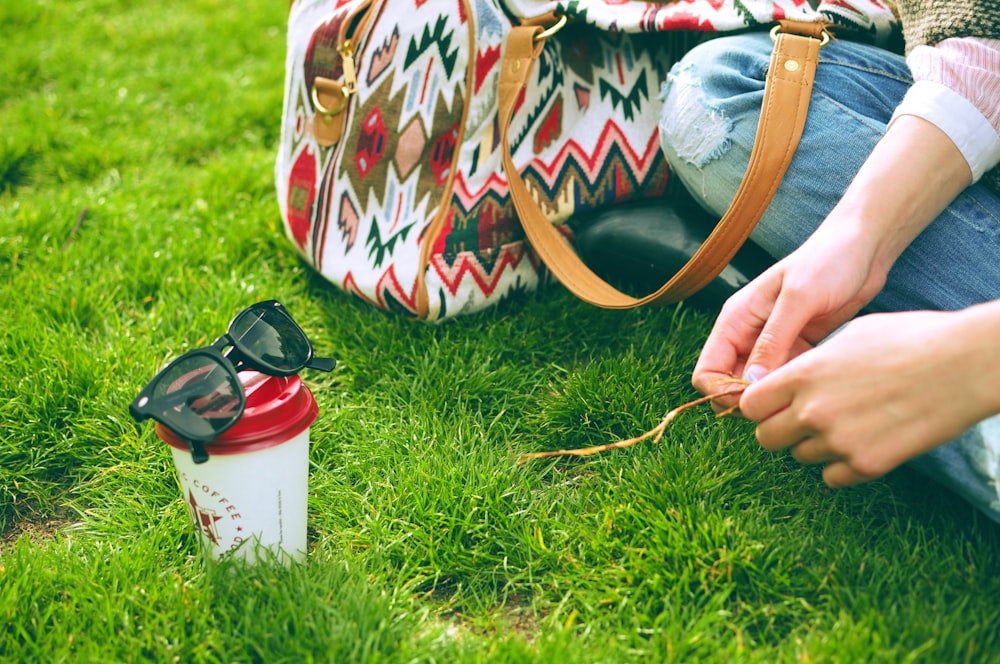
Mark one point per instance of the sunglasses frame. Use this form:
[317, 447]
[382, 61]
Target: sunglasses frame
[147, 405]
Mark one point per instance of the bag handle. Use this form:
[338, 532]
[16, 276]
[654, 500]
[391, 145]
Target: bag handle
[783, 115]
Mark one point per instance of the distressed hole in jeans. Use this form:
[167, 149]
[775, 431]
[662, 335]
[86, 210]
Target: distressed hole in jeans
[695, 131]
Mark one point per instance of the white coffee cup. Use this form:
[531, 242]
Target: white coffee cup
[252, 493]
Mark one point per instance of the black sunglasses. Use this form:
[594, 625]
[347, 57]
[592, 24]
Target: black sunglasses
[198, 396]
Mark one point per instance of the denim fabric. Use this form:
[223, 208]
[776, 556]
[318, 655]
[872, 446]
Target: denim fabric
[712, 102]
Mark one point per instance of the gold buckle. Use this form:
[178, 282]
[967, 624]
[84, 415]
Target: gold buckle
[323, 110]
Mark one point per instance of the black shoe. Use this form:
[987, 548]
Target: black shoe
[640, 245]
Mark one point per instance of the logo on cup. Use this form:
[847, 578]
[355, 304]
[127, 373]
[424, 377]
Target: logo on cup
[207, 519]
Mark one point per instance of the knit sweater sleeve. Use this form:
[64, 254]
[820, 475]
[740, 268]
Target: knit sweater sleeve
[928, 22]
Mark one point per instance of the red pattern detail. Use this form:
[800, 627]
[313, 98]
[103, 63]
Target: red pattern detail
[695, 21]
[623, 187]
[467, 265]
[322, 58]
[301, 196]
[324, 202]
[590, 163]
[389, 283]
[485, 62]
[382, 56]
[550, 128]
[371, 142]
[520, 100]
[427, 77]
[441, 153]
[439, 241]
[470, 198]
[347, 221]
[351, 286]
[494, 222]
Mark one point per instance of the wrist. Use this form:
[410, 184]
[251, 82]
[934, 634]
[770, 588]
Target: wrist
[977, 329]
[890, 201]
[847, 232]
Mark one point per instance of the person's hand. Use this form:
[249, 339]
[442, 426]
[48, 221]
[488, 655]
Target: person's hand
[885, 389]
[912, 174]
[786, 310]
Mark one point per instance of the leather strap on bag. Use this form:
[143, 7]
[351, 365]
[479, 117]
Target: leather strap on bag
[783, 115]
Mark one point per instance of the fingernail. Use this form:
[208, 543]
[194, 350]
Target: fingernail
[753, 373]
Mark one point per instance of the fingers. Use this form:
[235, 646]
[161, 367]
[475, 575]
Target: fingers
[733, 336]
[767, 401]
[781, 430]
[719, 361]
[837, 473]
[811, 452]
[778, 428]
[840, 474]
[711, 382]
[839, 470]
[779, 338]
[774, 433]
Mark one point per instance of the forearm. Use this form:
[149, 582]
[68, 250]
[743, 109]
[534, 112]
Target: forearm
[911, 176]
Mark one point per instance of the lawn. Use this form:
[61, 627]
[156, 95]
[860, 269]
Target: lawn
[138, 215]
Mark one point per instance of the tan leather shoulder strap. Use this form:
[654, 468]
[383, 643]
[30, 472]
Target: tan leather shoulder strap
[786, 101]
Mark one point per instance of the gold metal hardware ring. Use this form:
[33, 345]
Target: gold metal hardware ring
[824, 36]
[545, 34]
[323, 110]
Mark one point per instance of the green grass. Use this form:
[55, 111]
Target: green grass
[137, 215]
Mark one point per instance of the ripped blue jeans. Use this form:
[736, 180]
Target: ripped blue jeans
[712, 102]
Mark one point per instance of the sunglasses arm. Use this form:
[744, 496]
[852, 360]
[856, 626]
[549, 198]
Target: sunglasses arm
[321, 363]
[198, 453]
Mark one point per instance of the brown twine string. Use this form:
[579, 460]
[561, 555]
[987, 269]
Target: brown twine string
[656, 433]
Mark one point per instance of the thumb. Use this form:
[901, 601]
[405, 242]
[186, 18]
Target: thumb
[776, 340]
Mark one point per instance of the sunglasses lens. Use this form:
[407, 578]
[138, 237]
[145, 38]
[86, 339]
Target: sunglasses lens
[197, 397]
[269, 336]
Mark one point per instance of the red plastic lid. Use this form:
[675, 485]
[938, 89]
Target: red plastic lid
[278, 409]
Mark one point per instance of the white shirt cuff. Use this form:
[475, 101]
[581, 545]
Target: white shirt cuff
[957, 117]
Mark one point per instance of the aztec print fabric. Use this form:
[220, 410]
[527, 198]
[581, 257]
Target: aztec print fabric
[877, 20]
[388, 174]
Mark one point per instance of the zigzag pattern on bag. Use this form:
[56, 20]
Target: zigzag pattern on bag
[388, 174]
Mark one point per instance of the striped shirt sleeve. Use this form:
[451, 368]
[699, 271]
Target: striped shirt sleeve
[957, 88]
